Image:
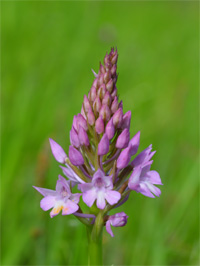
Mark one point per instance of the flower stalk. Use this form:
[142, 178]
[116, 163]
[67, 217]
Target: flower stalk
[94, 234]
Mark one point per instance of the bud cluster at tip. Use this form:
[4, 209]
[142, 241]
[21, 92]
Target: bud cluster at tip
[102, 127]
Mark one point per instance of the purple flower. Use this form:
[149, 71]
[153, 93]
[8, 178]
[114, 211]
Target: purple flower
[100, 189]
[142, 180]
[59, 199]
[116, 220]
[100, 157]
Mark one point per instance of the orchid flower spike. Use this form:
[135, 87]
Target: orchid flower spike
[102, 162]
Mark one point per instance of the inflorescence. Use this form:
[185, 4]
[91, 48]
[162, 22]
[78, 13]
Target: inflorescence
[102, 159]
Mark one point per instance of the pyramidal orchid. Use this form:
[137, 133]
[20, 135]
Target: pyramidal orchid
[101, 162]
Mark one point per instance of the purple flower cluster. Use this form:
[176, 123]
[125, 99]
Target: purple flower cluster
[100, 158]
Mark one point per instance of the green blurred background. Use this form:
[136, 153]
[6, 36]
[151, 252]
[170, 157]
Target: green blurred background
[48, 50]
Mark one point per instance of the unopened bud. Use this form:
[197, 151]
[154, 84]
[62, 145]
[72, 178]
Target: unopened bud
[110, 129]
[81, 122]
[109, 85]
[83, 137]
[86, 103]
[75, 156]
[74, 123]
[106, 59]
[102, 91]
[100, 80]
[117, 118]
[107, 99]
[107, 77]
[114, 59]
[99, 125]
[114, 92]
[102, 69]
[118, 219]
[91, 118]
[95, 83]
[113, 70]
[93, 93]
[105, 112]
[97, 105]
[108, 66]
[83, 112]
[103, 146]
[114, 105]
[120, 105]
[134, 144]
[124, 158]
[126, 120]
[74, 138]
[123, 139]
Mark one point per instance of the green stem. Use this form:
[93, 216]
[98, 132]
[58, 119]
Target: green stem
[95, 241]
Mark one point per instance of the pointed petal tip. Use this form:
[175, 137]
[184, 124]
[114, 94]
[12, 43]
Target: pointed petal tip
[58, 152]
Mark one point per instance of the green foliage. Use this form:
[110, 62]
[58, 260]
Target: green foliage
[48, 50]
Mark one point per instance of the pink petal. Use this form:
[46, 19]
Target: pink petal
[108, 228]
[135, 178]
[143, 189]
[101, 203]
[112, 197]
[69, 207]
[155, 190]
[89, 197]
[154, 177]
[47, 203]
[45, 192]
[57, 151]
